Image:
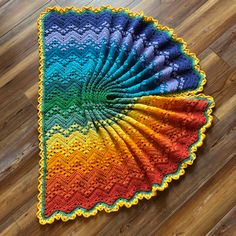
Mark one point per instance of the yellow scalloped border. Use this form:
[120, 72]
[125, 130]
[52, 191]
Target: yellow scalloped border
[138, 196]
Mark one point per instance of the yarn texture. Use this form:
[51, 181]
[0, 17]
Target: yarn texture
[120, 113]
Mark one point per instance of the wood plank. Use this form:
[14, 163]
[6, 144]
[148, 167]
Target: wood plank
[32, 94]
[14, 48]
[19, 83]
[3, 2]
[26, 62]
[13, 230]
[202, 28]
[225, 46]
[14, 115]
[74, 3]
[17, 50]
[122, 3]
[17, 151]
[10, 15]
[98, 3]
[204, 206]
[221, 80]
[170, 13]
[226, 226]
[22, 187]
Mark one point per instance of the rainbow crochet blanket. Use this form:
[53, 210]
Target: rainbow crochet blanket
[119, 111]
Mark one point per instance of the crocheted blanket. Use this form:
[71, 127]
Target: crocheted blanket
[119, 111]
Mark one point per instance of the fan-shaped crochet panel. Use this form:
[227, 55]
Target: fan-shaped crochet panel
[119, 117]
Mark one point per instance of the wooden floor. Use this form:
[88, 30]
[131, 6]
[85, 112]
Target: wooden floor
[201, 203]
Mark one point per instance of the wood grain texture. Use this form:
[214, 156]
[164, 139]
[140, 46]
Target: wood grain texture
[201, 203]
[226, 226]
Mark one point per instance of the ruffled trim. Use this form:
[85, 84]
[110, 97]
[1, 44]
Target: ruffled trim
[59, 215]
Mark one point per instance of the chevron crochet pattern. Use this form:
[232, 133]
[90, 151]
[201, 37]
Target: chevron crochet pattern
[120, 114]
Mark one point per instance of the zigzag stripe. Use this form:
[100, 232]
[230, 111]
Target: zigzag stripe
[58, 69]
[65, 122]
[73, 28]
[89, 35]
[62, 91]
[106, 116]
[97, 179]
[124, 128]
[80, 21]
[75, 103]
[88, 159]
[118, 190]
[72, 51]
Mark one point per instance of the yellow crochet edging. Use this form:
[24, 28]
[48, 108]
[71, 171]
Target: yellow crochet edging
[138, 196]
[40, 128]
